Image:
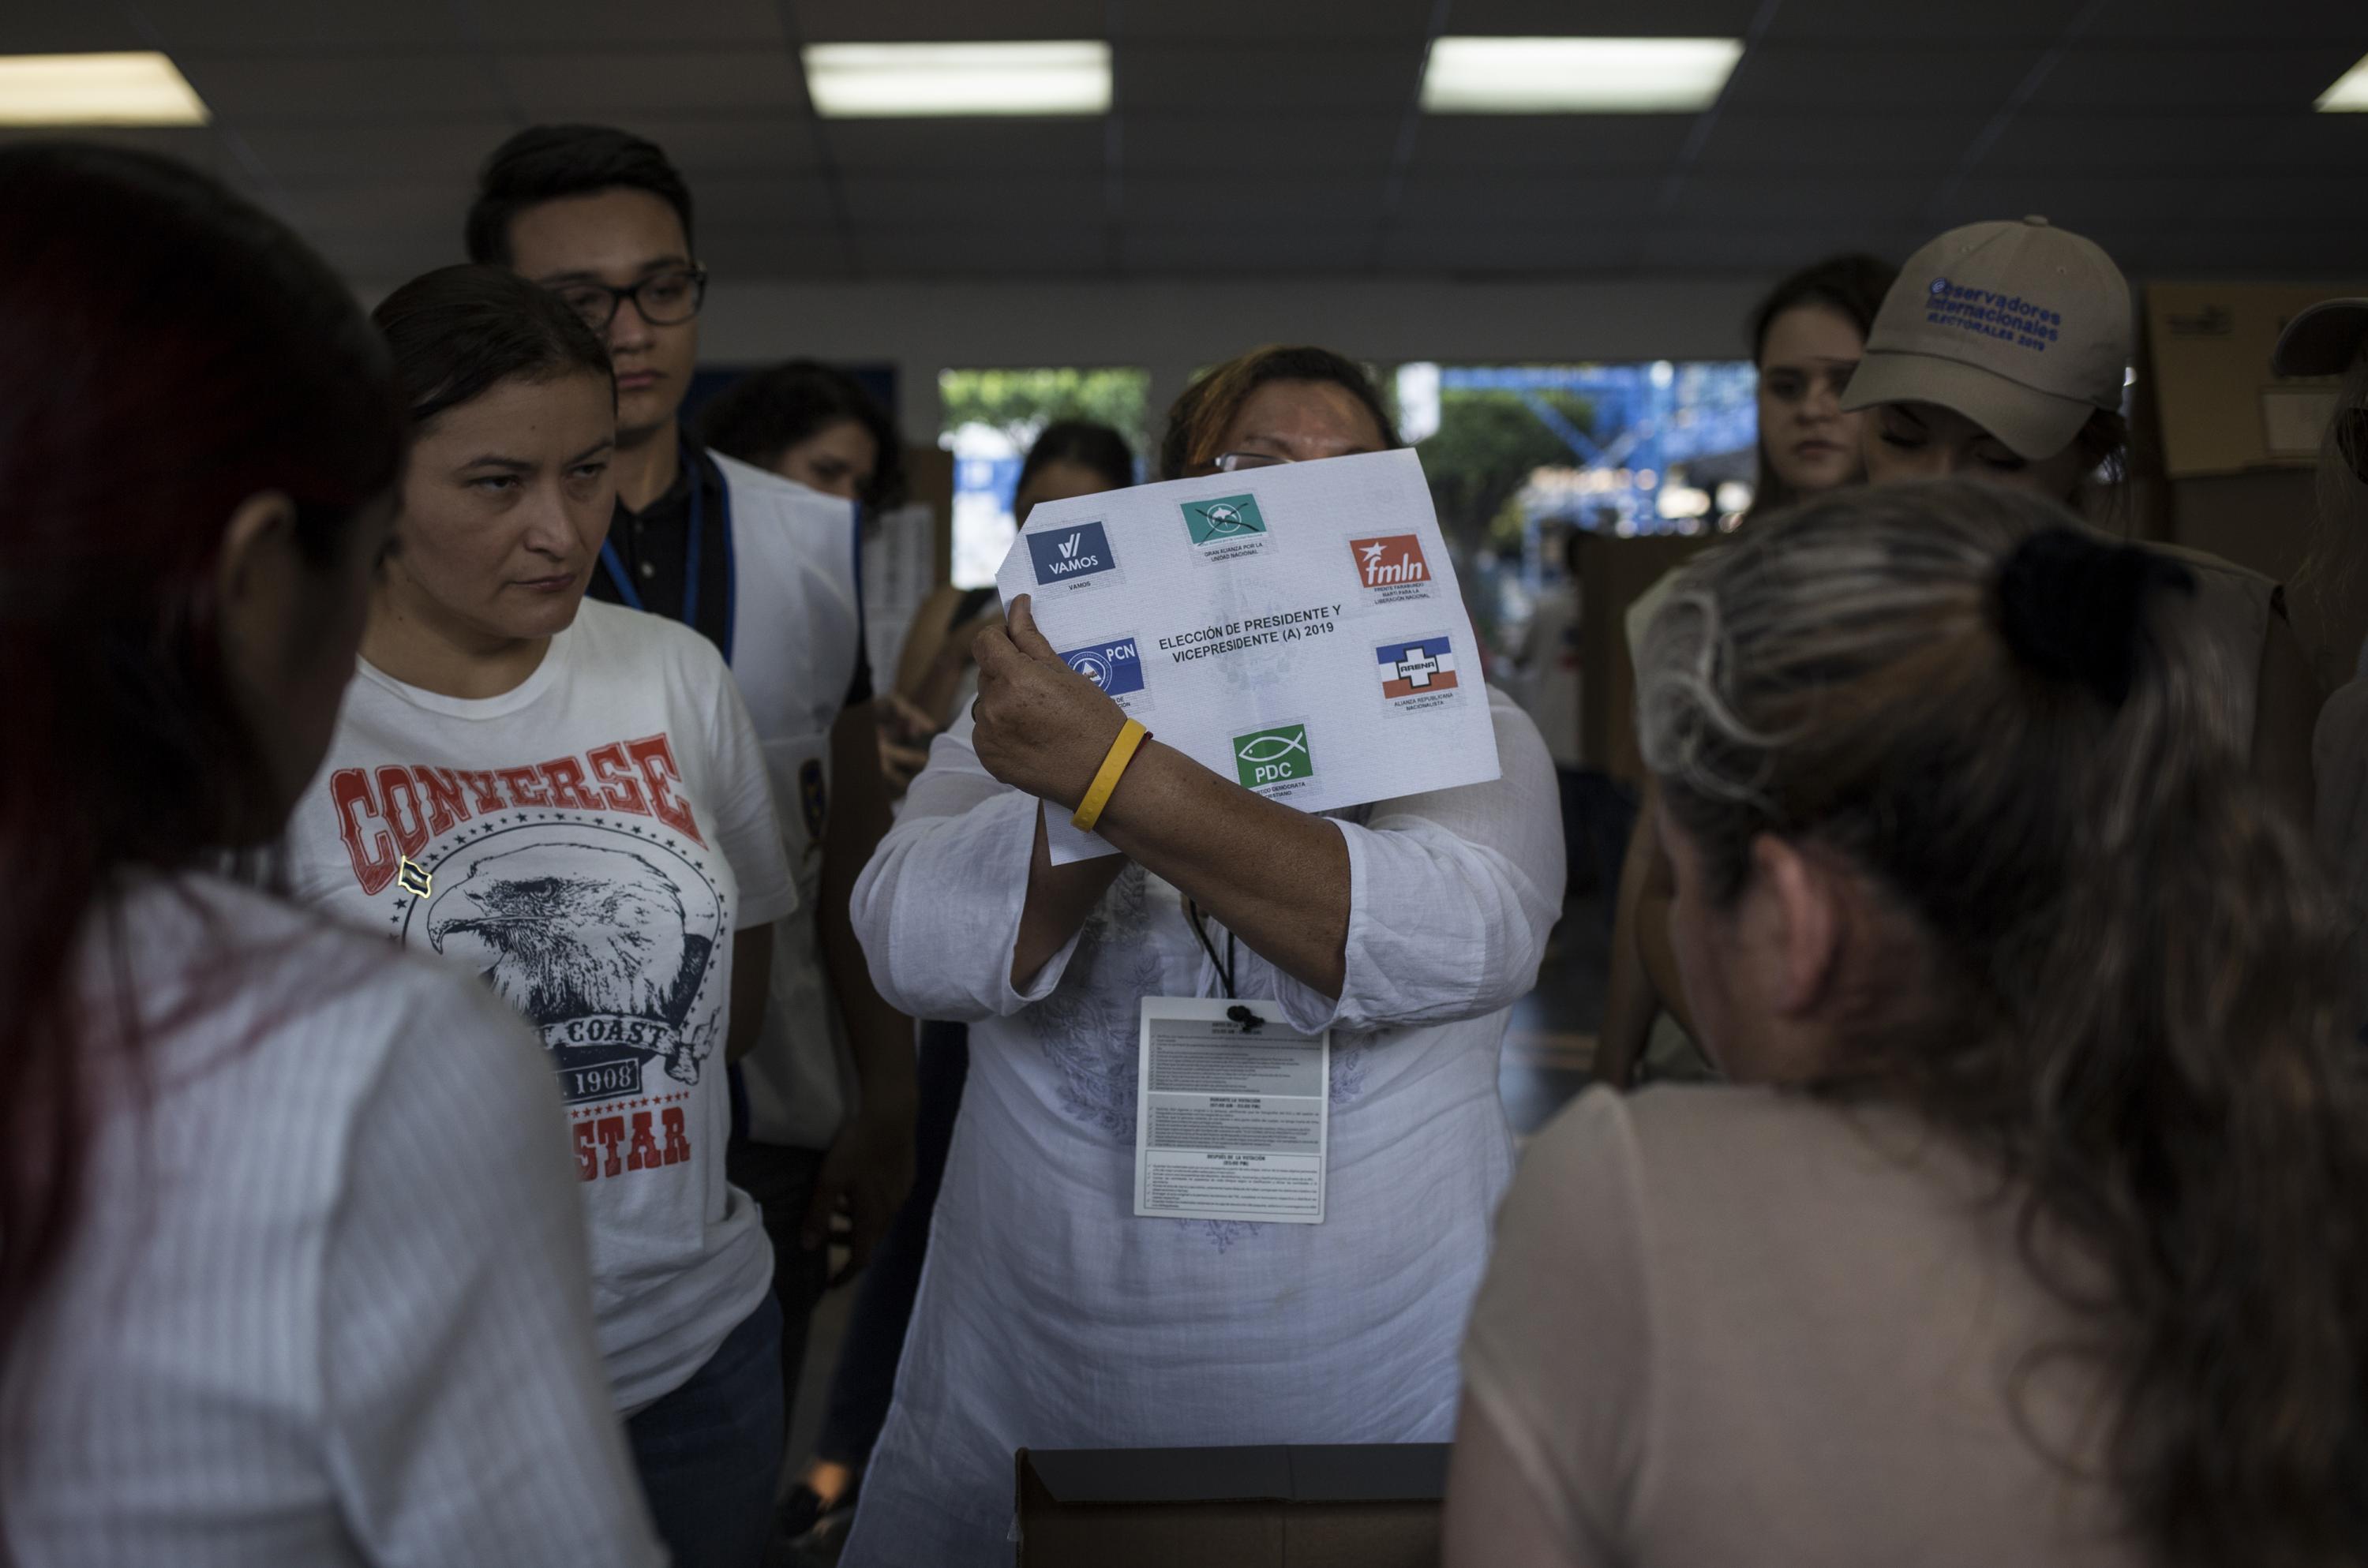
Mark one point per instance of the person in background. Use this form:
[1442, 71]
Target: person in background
[936, 676]
[1068, 458]
[291, 1263]
[566, 799]
[767, 570]
[1598, 812]
[1806, 337]
[2331, 339]
[812, 424]
[2002, 354]
[1049, 1316]
[2027, 1232]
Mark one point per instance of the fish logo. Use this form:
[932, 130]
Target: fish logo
[1272, 756]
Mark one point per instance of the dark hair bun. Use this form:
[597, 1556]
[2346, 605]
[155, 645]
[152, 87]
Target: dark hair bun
[2073, 606]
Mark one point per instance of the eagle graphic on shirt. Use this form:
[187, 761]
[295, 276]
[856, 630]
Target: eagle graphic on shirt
[598, 947]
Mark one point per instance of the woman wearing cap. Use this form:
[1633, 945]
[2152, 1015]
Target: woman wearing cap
[1049, 1316]
[2331, 339]
[2001, 355]
[1806, 337]
[2028, 1232]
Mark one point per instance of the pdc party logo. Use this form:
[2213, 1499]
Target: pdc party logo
[1226, 517]
[1272, 756]
[1115, 666]
[1081, 550]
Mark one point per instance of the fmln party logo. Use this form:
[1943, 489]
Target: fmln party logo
[1272, 756]
[1224, 519]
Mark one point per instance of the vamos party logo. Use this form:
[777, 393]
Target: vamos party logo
[1067, 554]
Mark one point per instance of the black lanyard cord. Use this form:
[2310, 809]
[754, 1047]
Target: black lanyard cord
[1224, 966]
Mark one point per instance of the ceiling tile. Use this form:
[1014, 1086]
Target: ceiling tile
[1681, 250]
[878, 201]
[1246, 213]
[1290, 77]
[729, 201]
[999, 250]
[2082, 202]
[379, 255]
[996, 147]
[588, 24]
[1604, 18]
[771, 250]
[868, 21]
[1254, 21]
[2196, 78]
[77, 30]
[1258, 145]
[1873, 23]
[350, 205]
[1423, 248]
[298, 27]
[2103, 145]
[1188, 250]
[1579, 142]
[603, 84]
[701, 145]
[447, 151]
[1839, 146]
[2155, 21]
[1571, 202]
[396, 88]
[1848, 79]
[1860, 203]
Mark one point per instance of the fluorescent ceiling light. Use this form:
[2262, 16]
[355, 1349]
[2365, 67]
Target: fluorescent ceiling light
[873, 81]
[1576, 76]
[2349, 94]
[95, 90]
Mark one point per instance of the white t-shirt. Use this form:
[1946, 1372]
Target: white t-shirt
[1551, 655]
[586, 842]
[324, 1302]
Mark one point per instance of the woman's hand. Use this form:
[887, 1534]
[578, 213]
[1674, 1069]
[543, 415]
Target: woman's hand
[905, 735]
[1043, 727]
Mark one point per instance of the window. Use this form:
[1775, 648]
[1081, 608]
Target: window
[991, 416]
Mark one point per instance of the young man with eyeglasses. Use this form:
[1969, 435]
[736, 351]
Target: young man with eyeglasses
[766, 569]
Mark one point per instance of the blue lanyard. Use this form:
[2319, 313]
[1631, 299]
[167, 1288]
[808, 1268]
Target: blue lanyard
[622, 580]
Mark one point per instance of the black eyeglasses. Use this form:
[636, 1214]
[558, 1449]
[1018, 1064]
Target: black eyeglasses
[666, 299]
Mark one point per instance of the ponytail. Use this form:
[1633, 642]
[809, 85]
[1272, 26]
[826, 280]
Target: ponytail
[2131, 995]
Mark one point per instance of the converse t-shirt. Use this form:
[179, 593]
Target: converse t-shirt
[586, 843]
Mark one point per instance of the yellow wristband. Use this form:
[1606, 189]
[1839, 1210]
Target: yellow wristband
[1122, 752]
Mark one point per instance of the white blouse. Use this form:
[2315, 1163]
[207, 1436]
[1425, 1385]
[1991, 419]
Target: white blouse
[1049, 1316]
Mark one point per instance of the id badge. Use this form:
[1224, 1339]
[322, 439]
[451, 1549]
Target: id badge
[1231, 1122]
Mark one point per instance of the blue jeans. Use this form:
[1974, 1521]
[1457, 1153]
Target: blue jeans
[709, 1453]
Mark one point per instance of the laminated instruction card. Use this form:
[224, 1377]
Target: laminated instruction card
[1231, 1116]
[1295, 627]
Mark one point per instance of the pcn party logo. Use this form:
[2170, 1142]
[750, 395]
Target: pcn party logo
[1115, 666]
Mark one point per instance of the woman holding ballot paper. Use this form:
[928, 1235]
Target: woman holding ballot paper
[1352, 968]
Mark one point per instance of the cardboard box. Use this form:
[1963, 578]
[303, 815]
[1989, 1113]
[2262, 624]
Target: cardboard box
[1343, 1506]
[2219, 408]
[1613, 572]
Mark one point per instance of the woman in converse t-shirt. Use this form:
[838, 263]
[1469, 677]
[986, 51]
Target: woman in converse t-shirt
[567, 798]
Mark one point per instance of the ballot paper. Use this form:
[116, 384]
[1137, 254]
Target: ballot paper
[1231, 1121]
[1296, 628]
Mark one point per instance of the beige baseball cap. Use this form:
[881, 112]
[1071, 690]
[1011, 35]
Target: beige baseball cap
[2322, 340]
[2022, 327]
